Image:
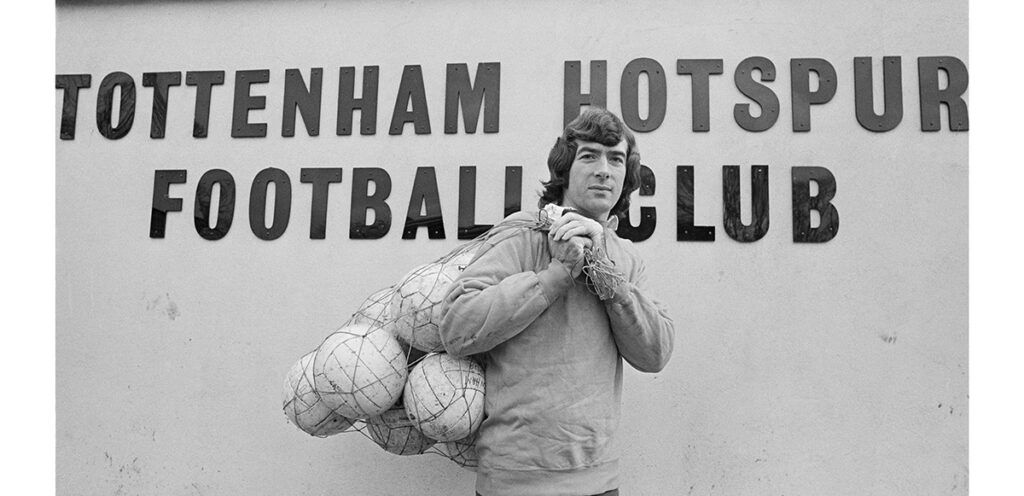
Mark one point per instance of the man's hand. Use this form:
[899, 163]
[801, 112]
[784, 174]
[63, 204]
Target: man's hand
[572, 224]
[570, 252]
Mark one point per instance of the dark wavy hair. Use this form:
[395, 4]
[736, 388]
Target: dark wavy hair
[600, 126]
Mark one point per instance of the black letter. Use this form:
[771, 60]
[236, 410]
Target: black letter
[648, 215]
[700, 71]
[105, 105]
[685, 230]
[468, 228]
[321, 179]
[244, 102]
[513, 189]
[70, 83]
[161, 82]
[892, 82]
[459, 91]
[574, 98]
[347, 102]
[411, 88]
[629, 94]
[225, 204]
[803, 203]
[800, 80]
[424, 191]
[759, 93]
[162, 202]
[307, 101]
[258, 203]
[931, 96]
[758, 203]
[362, 201]
[203, 81]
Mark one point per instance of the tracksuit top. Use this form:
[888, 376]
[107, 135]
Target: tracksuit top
[552, 353]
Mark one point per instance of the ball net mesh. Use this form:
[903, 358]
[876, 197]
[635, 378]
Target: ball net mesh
[359, 371]
[444, 397]
[355, 381]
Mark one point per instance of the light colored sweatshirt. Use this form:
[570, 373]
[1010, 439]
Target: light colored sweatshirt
[552, 353]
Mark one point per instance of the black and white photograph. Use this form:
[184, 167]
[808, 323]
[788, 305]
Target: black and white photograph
[533, 248]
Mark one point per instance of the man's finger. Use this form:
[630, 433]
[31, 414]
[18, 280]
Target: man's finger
[559, 222]
[576, 230]
[569, 216]
[580, 243]
[565, 219]
[557, 226]
[562, 232]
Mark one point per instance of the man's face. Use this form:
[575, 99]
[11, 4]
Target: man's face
[595, 178]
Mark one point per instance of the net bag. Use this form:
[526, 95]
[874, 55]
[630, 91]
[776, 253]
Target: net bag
[462, 452]
[359, 371]
[354, 381]
[373, 310]
[415, 307]
[303, 406]
[444, 397]
[393, 431]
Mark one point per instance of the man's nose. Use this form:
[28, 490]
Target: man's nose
[603, 169]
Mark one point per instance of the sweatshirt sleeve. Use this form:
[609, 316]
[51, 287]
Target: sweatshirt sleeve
[641, 326]
[497, 297]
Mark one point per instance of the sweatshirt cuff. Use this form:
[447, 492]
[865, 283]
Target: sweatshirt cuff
[555, 280]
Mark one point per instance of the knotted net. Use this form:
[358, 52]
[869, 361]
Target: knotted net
[384, 372]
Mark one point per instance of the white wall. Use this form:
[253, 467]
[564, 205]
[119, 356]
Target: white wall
[785, 380]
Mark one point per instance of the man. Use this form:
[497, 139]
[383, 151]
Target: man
[551, 348]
